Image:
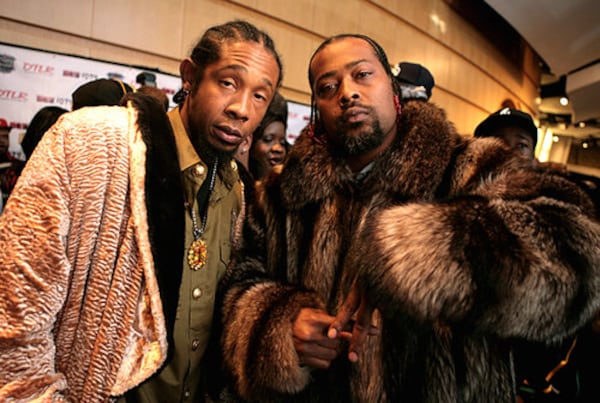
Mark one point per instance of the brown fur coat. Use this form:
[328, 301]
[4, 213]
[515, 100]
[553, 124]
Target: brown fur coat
[461, 246]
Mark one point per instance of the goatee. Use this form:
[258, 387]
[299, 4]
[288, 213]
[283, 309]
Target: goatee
[359, 138]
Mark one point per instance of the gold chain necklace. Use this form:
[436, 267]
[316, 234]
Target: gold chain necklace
[198, 251]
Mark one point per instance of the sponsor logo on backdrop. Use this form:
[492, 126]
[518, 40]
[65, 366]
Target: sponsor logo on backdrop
[69, 73]
[64, 102]
[169, 91]
[7, 63]
[12, 124]
[38, 68]
[116, 76]
[80, 75]
[45, 99]
[13, 95]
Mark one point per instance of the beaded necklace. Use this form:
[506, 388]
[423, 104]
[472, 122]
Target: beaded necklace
[198, 251]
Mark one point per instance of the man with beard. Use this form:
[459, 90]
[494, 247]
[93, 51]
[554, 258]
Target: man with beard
[427, 251]
[119, 229]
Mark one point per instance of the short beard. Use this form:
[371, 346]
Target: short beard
[366, 140]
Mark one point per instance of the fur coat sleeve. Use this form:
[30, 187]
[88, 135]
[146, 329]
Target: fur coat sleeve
[258, 311]
[512, 252]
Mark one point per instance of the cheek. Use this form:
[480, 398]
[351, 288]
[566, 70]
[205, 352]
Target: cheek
[327, 115]
[263, 149]
[388, 112]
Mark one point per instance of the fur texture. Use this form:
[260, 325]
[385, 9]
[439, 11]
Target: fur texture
[459, 244]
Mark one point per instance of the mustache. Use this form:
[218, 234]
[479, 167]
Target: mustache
[343, 118]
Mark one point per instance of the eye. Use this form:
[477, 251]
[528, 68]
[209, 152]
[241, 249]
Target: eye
[228, 83]
[326, 88]
[363, 74]
[260, 96]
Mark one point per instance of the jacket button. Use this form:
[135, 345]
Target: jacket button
[197, 293]
[199, 170]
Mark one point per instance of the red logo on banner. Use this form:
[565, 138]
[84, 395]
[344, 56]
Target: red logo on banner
[68, 73]
[13, 95]
[43, 98]
[14, 125]
[37, 68]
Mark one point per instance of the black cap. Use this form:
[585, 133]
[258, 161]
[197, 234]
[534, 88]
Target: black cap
[100, 92]
[507, 117]
[415, 74]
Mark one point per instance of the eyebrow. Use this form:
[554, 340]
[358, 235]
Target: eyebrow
[346, 66]
[243, 69]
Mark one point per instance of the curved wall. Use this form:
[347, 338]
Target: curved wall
[472, 76]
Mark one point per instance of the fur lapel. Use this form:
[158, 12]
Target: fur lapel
[401, 170]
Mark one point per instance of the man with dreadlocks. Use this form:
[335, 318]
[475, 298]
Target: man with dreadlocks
[120, 228]
[428, 251]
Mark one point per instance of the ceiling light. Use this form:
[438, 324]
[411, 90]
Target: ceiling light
[585, 145]
[582, 124]
[564, 101]
[555, 139]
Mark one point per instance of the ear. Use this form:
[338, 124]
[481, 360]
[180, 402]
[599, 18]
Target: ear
[187, 71]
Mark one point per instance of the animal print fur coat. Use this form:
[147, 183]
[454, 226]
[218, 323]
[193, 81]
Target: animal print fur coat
[461, 246]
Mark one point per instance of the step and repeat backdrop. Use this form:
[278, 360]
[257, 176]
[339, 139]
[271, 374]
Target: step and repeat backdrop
[31, 79]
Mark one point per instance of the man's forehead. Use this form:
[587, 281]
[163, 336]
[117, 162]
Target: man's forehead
[242, 55]
[343, 52]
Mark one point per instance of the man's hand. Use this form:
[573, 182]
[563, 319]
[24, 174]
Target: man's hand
[313, 346]
[355, 303]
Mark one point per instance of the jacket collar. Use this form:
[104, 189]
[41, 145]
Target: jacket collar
[413, 167]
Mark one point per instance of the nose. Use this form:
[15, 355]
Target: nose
[239, 107]
[348, 92]
[278, 148]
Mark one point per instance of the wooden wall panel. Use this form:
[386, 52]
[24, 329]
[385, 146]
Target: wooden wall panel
[152, 26]
[472, 76]
[72, 16]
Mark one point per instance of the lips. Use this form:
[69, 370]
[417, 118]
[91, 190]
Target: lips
[228, 134]
[355, 114]
[275, 161]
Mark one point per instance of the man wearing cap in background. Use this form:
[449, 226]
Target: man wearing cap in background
[415, 81]
[517, 129]
[514, 127]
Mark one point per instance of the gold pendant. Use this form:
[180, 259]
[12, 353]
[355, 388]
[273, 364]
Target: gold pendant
[197, 254]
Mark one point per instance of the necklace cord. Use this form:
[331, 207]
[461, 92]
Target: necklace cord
[203, 197]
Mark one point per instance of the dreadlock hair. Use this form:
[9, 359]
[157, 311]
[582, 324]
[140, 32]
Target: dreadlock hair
[208, 49]
[377, 49]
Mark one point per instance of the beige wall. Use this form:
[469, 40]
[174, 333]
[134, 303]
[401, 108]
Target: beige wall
[472, 77]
